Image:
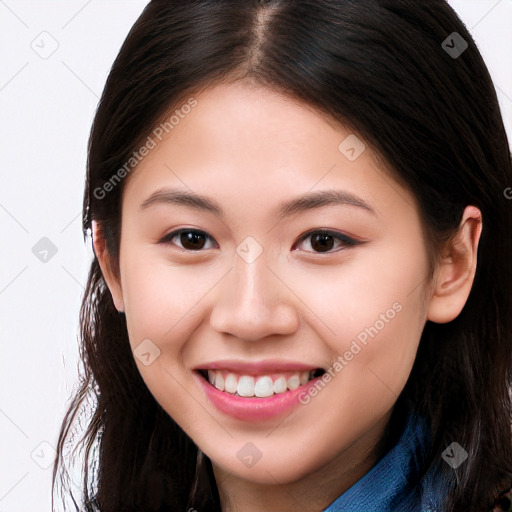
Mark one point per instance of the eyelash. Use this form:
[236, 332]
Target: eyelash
[345, 241]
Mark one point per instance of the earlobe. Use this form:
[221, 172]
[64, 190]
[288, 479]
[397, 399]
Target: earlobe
[455, 273]
[111, 278]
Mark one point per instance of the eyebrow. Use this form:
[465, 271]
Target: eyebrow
[308, 201]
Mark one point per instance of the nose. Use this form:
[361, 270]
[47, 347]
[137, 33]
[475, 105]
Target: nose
[252, 302]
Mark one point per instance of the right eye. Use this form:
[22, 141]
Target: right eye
[192, 240]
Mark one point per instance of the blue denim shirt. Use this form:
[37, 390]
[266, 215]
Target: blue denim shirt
[392, 485]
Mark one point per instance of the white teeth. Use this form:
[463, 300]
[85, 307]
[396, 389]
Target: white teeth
[219, 381]
[264, 387]
[245, 386]
[230, 384]
[293, 382]
[280, 385]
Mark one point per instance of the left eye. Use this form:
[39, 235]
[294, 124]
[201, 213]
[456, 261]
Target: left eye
[322, 241]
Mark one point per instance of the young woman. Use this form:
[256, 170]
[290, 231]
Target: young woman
[300, 296]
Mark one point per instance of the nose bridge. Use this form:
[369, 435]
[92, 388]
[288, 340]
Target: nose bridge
[252, 303]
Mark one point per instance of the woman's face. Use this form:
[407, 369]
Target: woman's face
[254, 292]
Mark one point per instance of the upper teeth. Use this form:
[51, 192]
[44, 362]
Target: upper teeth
[260, 386]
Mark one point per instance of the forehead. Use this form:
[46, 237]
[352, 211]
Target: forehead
[249, 144]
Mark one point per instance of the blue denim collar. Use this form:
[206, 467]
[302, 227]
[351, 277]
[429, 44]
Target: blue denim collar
[393, 484]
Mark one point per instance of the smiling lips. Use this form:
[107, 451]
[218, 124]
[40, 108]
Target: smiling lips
[258, 379]
[253, 392]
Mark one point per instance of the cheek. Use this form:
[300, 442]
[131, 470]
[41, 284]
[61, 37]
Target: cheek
[377, 359]
[163, 304]
[161, 298]
[369, 311]
[351, 293]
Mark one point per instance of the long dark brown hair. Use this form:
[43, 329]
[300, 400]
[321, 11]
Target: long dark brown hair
[380, 68]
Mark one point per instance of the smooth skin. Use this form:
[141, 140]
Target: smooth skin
[250, 149]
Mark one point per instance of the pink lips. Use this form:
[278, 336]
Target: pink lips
[254, 409]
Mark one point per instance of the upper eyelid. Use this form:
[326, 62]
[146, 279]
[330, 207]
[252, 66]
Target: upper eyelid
[331, 232]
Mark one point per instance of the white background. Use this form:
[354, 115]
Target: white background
[47, 107]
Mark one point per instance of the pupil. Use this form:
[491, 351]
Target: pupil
[323, 242]
[193, 239]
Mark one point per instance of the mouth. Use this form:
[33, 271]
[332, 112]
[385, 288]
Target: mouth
[261, 385]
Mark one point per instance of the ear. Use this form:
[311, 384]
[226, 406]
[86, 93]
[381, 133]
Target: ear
[455, 273]
[107, 269]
